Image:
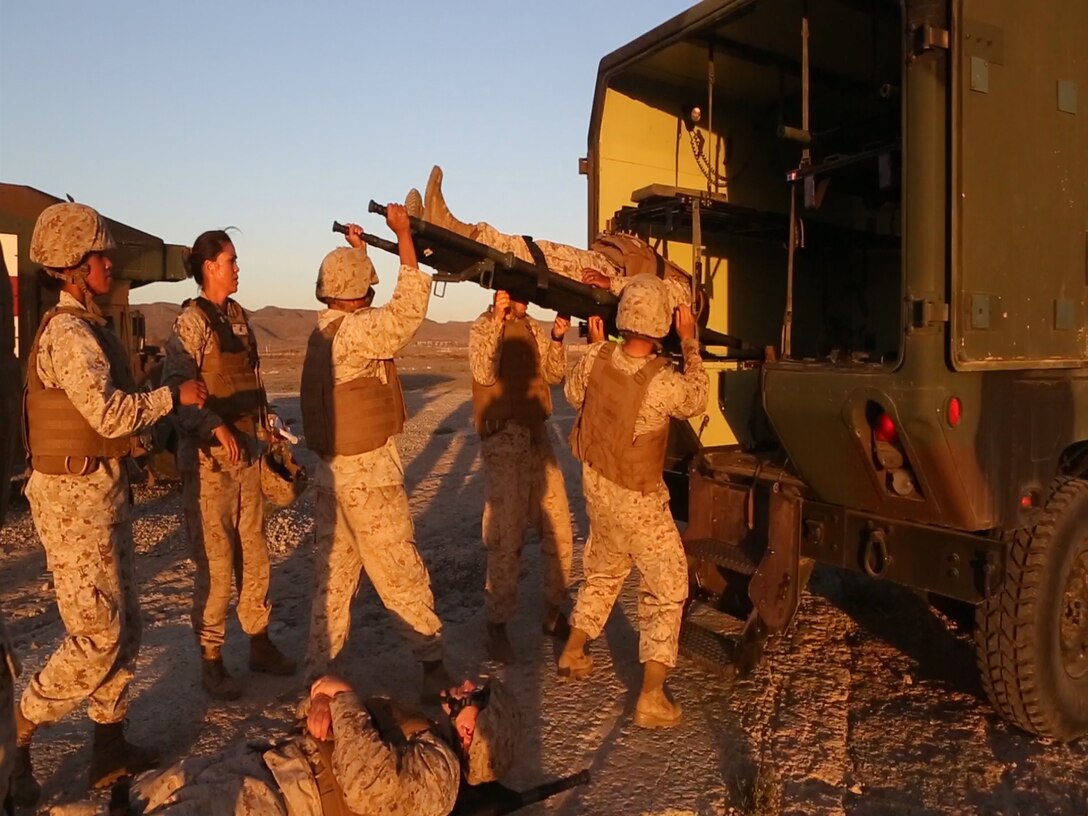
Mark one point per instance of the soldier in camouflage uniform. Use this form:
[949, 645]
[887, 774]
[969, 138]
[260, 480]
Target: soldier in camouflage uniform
[9, 665]
[625, 395]
[219, 455]
[610, 262]
[81, 407]
[356, 758]
[9, 670]
[362, 516]
[513, 363]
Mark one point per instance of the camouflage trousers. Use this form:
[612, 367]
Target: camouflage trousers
[566, 260]
[8, 670]
[224, 511]
[524, 487]
[368, 529]
[628, 528]
[85, 526]
[234, 783]
[571, 262]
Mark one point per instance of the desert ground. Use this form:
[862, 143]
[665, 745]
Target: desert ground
[868, 705]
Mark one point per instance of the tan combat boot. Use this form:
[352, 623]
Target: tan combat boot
[435, 210]
[498, 644]
[413, 203]
[216, 680]
[435, 680]
[114, 758]
[556, 624]
[266, 658]
[574, 663]
[654, 708]
[24, 788]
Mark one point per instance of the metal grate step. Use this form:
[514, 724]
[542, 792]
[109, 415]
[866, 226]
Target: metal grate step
[707, 648]
[724, 555]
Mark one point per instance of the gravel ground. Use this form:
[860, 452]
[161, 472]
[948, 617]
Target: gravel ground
[868, 705]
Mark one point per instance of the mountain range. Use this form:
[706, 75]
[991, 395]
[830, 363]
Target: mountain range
[281, 330]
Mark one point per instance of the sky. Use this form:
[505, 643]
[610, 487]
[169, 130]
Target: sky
[278, 118]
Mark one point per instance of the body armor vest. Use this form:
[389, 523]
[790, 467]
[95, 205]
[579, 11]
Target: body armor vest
[352, 417]
[230, 367]
[59, 441]
[519, 393]
[604, 433]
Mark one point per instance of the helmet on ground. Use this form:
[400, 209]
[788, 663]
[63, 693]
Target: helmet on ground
[644, 307]
[494, 743]
[64, 233]
[346, 273]
[282, 479]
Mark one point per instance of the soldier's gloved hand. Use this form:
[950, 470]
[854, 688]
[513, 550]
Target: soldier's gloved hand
[354, 236]
[560, 327]
[229, 442]
[192, 392]
[319, 720]
[397, 219]
[684, 320]
[595, 278]
[501, 308]
[596, 329]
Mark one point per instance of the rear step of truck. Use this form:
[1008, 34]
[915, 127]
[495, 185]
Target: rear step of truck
[743, 545]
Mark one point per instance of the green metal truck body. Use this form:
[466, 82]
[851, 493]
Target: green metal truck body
[892, 197]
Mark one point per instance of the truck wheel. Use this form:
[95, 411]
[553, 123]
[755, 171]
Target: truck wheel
[1032, 634]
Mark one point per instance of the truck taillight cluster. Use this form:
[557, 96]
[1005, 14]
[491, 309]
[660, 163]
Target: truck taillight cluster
[889, 457]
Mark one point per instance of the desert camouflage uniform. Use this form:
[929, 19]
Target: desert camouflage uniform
[415, 777]
[524, 485]
[222, 501]
[362, 517]
[9, 669]
[570, 261]
[85, 527]
[632, 528]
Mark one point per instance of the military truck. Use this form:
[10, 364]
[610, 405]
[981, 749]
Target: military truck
[139, 259]
[891, 198]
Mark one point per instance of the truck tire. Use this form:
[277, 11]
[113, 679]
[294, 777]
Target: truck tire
[1032, 634]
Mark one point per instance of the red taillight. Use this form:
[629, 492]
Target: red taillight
[955, 412]
[884, 429]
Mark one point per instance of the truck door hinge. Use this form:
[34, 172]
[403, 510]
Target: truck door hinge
[927, 313]
[928, 37]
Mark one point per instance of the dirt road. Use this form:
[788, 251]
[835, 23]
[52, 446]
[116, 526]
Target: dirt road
[868, 705]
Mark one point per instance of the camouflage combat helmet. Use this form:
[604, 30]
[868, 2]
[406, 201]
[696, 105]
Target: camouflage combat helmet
[63, 235]
[345, 274]
[282, 479]
[494, 743]
[644, 307]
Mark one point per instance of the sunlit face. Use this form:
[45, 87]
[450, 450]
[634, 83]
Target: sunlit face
[465, 721]
[100, 274]
[221, 274]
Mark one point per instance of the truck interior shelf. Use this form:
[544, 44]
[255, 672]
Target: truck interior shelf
[666, 212]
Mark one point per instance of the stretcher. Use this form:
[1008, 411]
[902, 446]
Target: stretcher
[458, 259]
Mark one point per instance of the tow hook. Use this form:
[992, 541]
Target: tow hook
[875, 559]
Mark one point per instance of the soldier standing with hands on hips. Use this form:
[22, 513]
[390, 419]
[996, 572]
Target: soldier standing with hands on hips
[81, 409]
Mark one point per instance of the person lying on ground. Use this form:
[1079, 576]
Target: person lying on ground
[362, 757]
